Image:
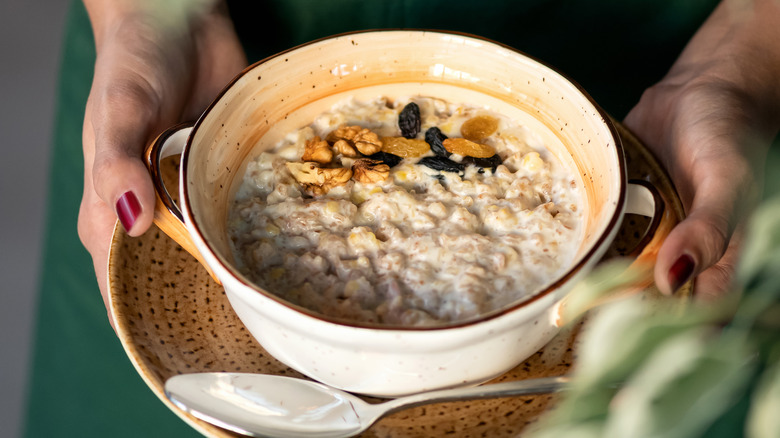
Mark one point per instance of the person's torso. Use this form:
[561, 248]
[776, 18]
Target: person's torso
[613, 48]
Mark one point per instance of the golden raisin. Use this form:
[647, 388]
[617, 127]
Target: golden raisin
[405, 147]
[479, 127]
[468, 148]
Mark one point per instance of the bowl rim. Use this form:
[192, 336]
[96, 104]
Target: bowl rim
[192, 225]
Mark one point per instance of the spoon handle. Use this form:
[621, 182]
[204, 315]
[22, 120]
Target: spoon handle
[543, 385]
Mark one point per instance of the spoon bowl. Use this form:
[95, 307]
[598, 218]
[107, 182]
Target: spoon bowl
[278, 406]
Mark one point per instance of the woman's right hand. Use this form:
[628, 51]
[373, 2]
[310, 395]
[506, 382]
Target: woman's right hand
[157, 64]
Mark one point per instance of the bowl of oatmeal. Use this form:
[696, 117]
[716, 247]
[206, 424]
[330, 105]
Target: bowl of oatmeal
[398, 211]
[410, 212]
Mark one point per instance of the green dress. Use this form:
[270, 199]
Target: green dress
[82, 384]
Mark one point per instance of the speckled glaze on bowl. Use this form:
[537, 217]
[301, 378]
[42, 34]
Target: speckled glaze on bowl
[285, 92]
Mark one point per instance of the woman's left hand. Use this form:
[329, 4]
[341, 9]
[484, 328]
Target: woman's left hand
[711, 121]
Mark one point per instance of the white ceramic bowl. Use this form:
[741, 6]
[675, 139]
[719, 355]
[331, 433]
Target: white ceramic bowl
[285, 92]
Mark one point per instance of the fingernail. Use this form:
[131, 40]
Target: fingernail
[681, 271]
[128, 209]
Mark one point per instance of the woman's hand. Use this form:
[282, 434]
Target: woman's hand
[711, 120]
[157, 64]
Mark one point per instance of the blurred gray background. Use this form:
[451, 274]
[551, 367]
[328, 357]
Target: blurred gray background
[30, 35]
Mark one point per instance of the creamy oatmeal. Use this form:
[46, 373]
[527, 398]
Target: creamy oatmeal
[408, 212]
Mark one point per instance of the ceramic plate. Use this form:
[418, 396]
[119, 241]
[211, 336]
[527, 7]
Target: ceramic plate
[172, 318]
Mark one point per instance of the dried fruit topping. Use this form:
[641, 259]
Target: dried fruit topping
[409, 120]
[318, 180]
[336, 176]
[347, 133]
[387, 158]
[360, 138]
[317, 150]
[344, 148]
[405, 147]
[369, 171]
[443, 164]
[468, 148]
[478, 128]
[435, 138]
[305, 173]
[486, 163]
[367, 142]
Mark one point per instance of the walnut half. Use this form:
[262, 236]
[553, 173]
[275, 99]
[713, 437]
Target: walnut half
[363, 139]
[317, 150]
[369, 171]
[367, 142]
[344, 148]
[318, 180]
[344, 132]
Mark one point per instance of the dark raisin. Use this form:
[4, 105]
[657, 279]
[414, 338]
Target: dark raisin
[409, 120]
[486, 163]
[386, 158]
[435, 138]
[443, 164]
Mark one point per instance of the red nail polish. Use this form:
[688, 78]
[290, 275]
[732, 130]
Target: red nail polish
[681, 271]
[128, 209]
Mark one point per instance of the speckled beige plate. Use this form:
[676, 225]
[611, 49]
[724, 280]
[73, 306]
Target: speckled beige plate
[172, 318]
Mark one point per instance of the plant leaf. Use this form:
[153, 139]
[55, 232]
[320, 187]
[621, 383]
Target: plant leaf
[764, 418]
[682, 388]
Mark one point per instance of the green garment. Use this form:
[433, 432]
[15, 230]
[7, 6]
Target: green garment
[82, 384]
[613, 48]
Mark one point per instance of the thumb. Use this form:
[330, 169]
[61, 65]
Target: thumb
[122, 121]
[701, 239]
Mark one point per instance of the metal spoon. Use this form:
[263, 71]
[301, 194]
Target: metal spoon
[277, 406]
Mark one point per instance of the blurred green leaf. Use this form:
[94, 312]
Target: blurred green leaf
[603, 280]
[764, 418]
[621, 336]
[682, 388]
[760, 259]
[564, 430]
[682, 375]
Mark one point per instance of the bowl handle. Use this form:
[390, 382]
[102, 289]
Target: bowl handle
[167, 215]
[642, 198]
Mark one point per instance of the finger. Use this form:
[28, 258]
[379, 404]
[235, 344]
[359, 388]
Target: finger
[701, 239]
[95, 228]
[123, 116]
[96, 219]
[218, 39]
[717, 280]
[95, 224]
